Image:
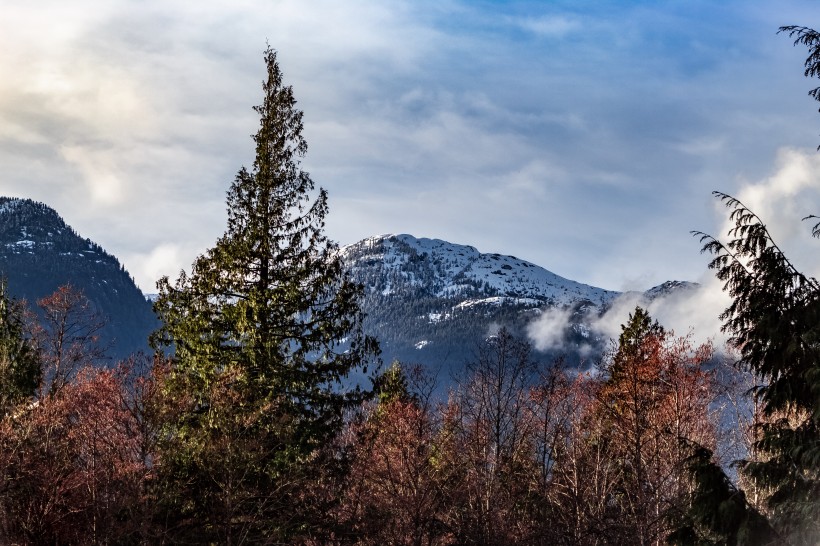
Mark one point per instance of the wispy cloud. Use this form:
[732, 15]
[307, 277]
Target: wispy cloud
[549, 26]
[693, 312]
[781, 200]
[547, 332]
[563, 134]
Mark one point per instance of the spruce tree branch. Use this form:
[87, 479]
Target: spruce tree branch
[747, 214]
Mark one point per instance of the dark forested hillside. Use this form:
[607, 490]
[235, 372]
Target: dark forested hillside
[39, 252]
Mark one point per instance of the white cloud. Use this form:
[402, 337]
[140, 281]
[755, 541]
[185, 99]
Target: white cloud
[549, 26]
[781, 200]
[548, 330]
[99, 174]
[434, 117]
[692, 312]
[695, 311]
[162, 260]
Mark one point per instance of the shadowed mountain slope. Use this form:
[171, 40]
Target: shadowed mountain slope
[40, 252]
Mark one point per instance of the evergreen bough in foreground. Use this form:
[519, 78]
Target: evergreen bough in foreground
[774, 321]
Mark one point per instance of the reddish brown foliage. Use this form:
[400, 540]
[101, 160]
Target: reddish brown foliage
[67, 338]
[73, 464]
[395, 495]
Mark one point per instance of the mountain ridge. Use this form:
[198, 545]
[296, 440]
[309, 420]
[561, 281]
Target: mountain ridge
[496, 274]
[432, 301]
[426, 300]
[39, 252]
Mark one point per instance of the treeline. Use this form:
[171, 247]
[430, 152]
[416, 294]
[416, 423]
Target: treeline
[520, 453]
[523, 453]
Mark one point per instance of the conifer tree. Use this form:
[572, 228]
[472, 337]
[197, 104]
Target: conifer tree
[720, 513]
[774, 320]
[392, 385]
[19, 361]
[632, 346]
[656, 392]
[264, 330]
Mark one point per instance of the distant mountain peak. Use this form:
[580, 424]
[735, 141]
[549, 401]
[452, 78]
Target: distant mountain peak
[37, 223]
[447, 270]
[668, 288]
[13, 206]
[432, 301]
[39, 252]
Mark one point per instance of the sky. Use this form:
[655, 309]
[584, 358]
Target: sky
[585, 137]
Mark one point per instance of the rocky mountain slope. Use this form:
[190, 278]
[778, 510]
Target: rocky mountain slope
[432, 302]
[437, 268]
[39, 252]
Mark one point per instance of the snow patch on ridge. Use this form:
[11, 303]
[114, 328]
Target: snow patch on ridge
[454, 271]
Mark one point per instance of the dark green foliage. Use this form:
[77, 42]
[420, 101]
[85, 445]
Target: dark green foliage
[774, 321]
[392, 385]
[19, 362]
[635, 331]
[719, 512]
[811, 39]
[258, 329]
[39, 253]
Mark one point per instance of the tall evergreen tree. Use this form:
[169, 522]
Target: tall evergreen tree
[19, 361]
[774, 320]
[264, 331]
[632, 346]
[655, 393]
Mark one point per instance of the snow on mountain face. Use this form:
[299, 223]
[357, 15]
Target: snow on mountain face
[395, 263]
[432, 302]
[9, 204]
[669, 287]
[27, 226]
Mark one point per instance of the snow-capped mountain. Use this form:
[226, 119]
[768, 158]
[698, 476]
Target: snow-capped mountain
[394, 263]
[427, 300]
[431, 301]
[668, 288]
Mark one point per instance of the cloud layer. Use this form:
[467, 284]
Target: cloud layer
[584, 139]
[790, 193]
